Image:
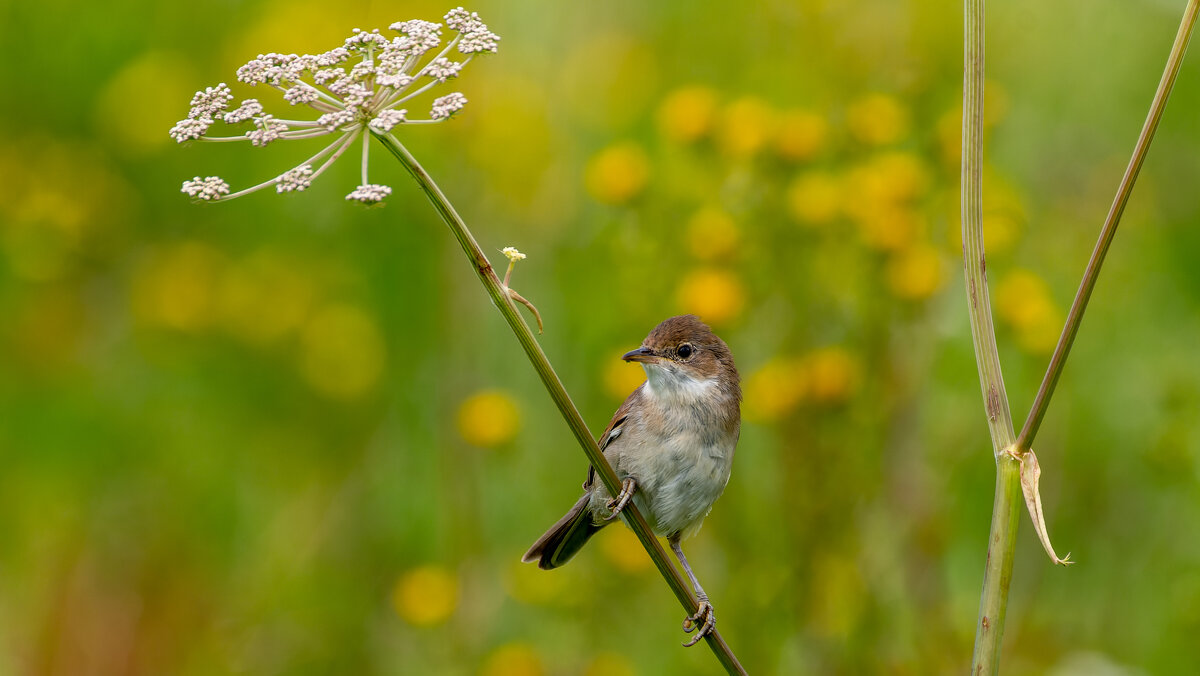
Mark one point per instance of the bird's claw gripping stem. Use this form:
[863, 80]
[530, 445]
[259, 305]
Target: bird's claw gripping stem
[702, 622]
[628, 486]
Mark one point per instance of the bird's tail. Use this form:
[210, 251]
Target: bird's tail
[564, 538]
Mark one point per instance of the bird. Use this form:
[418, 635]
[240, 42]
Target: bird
[671, 444]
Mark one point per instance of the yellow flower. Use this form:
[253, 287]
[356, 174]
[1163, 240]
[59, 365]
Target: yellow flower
[686, 114]
[745, 126]
[915, 273]
[880, 196]
[489, 419]
[512, 659]
[1023, 300]
[155, 80]
[814, 198]
[801, 135]
[609, 664]
[877, 119]
[425, 596]
[624, 551]
[617, 174]
[774, 390]
[264, 298]
[716, 296]
[712, 234]
[832, 375]
[622, 378]
[341, 352]
[900, 177]
[890, 228]
[175, 287]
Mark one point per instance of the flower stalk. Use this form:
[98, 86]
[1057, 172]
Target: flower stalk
[499, 294]
[1017, 470]
[1006, 514]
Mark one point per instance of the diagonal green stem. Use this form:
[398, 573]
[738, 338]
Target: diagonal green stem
[993, 602]
[1092, 272]
[491, 283]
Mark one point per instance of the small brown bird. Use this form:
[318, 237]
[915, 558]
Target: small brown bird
[671, 444]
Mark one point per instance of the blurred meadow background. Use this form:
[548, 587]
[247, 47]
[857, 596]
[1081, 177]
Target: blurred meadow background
[289, 435]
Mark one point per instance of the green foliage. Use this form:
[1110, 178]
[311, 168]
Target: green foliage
[287, 435]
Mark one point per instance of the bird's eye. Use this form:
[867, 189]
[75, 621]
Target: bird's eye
[685, 351]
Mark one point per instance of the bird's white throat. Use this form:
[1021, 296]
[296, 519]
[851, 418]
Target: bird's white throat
[673, 386]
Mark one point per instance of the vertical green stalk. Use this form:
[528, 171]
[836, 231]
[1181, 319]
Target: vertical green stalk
[1092, 272]
[1006, 507]
[499, 295]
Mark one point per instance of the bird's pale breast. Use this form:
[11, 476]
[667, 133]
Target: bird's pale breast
[680, 451]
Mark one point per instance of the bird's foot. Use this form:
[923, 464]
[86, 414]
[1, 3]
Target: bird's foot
[628, 486]
[702, 622]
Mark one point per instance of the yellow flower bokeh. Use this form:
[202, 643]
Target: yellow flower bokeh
[617, 174]
[175, 287]
[512, 659]
[609, 664]
[342, 353]
[877, 119]
[916, 272]
[774, 390]
[156, 81]
[745, 126]
[264, 298]
[713, 234]
[1022, 297]
[425, 596]
[716, 296]
[833, 375]
[489, 418]
[815, 198]
[624, 551]
[801, 135]
[687, 114]
[1023, 301]
[620, 377]
[890, 228]
[60, 203]
[881, 196]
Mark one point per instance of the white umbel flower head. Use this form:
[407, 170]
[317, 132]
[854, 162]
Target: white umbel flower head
[447, 105]
[355, 89]
[206, 189]
[369, 193]
[297, 179]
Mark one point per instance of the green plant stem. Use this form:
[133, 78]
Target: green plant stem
[491, 283]
[1092, 272]
[997, 575]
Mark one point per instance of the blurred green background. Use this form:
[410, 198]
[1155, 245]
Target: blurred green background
[289, 435]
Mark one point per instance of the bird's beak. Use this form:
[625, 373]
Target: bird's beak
[642, 354]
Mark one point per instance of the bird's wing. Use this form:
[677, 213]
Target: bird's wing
[615, 427]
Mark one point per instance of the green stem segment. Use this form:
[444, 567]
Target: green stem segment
[494, 288]
[1006, 510]
[1092, 272]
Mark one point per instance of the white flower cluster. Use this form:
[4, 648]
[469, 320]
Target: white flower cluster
[353, 89]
